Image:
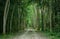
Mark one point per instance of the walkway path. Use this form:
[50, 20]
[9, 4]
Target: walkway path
[31, 35]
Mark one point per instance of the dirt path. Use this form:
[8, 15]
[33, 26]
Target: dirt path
[31, 35]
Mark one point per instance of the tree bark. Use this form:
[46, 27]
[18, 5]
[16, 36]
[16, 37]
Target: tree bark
[50, 12]
[11, 18]
[5, 15]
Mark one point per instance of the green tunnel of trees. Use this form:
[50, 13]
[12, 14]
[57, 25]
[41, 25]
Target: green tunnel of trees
[42, 15]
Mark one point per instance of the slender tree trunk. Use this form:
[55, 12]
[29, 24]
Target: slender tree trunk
[50, 11]
[42, 18]
[35, 16]
[45, 17]
[18, 19]
[5, 16]
[38, 18]
[12, 18]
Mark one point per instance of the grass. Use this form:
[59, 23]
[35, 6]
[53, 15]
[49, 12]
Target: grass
[53, 35]
[5, 36]
[9, 35]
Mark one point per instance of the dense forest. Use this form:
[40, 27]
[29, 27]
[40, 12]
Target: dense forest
[41, 15]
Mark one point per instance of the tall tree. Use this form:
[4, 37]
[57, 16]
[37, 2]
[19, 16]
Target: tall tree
[5, 15]
[50, 12]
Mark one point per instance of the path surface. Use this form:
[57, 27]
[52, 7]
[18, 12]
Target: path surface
[31, 35]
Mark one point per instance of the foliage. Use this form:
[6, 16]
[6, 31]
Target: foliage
[41, 15]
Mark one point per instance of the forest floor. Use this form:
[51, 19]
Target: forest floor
[31, 35]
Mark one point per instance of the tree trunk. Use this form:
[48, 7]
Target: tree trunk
[5, 15]
[35, 16]
[42, 19]
[12, 18]
[50, 12]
